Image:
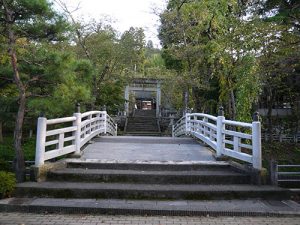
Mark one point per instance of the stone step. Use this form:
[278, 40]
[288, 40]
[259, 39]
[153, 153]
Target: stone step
[142, 118]
[149, 140]
[149, 177]
[146, 191]
[139, 131]
[192, 166]
[152, 208]
[143, 133]
[142, 126]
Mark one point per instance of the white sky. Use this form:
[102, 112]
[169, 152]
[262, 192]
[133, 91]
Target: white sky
[125, 13]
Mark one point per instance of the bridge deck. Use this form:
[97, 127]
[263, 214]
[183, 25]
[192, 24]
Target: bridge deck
[127, 149]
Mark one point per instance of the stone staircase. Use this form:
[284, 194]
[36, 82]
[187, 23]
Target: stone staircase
[206, 181]
[143, 123]
[145, 188]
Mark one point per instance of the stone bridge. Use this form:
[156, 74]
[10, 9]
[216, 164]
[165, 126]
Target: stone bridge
[210, 166]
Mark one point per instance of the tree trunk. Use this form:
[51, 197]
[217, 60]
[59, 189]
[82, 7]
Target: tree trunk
[233, 105]
[19, 163]
[1, 133]
[197, 99]
[270, 102]
[185, 98]
[19, 158]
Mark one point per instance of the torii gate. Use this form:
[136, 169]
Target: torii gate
[152, 85]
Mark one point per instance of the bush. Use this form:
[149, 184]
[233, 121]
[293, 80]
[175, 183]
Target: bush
[5, 166]
[7, 151]
[7, 184]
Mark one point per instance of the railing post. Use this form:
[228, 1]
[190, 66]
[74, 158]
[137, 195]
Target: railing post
[40, 141]
[220, 134]
[105, 122]
[173, 134]
[77, 123]
[256, 142]
[187, 123]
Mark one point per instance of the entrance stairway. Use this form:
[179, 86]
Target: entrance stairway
[152, 189]
[143, 123]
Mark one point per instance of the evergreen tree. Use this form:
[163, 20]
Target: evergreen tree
[23, 21]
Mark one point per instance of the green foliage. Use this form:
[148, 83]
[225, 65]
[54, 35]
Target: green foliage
[207, 40]
[132, 45]
[204, 39]
[7, 184]
[248, 86]
[7, 151]
[274, 150]
[35, 20]
[5, 165]
[69, 81]
[112, 95]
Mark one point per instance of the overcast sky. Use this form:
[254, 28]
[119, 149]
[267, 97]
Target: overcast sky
[125, 13]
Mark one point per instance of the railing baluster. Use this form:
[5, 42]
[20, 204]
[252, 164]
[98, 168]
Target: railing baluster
[236, 143]
[61, 140]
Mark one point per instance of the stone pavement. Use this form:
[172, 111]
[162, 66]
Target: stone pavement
[141, 207]
[61, 219]
[151, 149]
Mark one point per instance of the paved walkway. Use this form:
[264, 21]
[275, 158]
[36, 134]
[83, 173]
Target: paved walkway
[147, 149]
[59, 219]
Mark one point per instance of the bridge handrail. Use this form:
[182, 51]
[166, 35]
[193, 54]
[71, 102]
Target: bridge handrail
[69, 138]
[226, 137]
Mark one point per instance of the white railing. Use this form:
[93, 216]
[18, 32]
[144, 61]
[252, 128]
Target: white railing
[238, 140]
[57, 137]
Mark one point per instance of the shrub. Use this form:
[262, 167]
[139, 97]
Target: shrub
[7, 184]
[5, 166]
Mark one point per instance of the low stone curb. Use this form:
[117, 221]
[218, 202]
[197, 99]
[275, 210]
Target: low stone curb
[131, 208]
